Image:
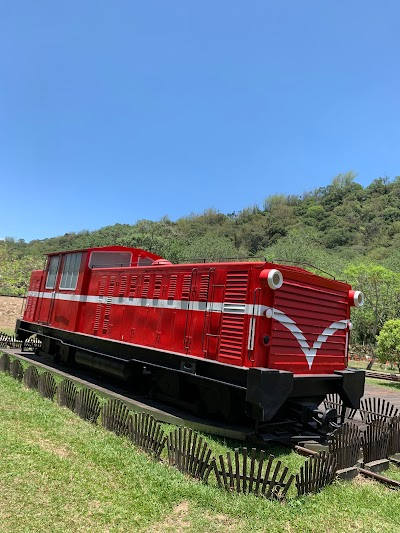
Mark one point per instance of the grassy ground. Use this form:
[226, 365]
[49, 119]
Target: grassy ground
[59, 473]
[394, 385]
[7, 331]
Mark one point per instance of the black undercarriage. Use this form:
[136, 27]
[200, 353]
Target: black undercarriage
[276, 402]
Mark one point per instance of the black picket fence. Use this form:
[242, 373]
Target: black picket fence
[247, 471]
[10, 341]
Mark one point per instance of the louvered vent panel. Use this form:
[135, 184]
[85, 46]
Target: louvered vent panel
[107, 311]
[146, 285]
[204, 284]
[122, 286]
[132, 287]
[232, 325]
[172, 286]
[157, 286]
[186, 287]
[102, 286]
[236, 287]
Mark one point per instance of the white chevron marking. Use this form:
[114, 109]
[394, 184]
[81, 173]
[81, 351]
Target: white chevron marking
[291, 325]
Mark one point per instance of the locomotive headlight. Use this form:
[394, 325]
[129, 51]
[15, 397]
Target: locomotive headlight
[271, 277]
[356, 298]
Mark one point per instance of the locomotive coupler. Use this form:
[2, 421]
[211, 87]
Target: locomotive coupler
[308, 414]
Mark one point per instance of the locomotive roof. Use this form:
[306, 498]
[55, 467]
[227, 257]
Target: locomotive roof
[136, 251]
[140, 252]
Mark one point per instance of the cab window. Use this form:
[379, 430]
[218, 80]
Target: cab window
[52, 272]
[70, 271]
[110, 259]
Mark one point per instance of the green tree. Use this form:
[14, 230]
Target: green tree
[381, 288]
[15, 271]
[211, 248]
[388, 342]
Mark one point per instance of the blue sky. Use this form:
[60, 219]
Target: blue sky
[114, 111]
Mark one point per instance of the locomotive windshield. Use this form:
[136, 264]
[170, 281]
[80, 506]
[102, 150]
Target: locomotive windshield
[110, 259]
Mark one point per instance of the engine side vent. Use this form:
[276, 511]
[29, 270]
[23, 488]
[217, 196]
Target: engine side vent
[102, 287]
[186, 286]
[233, 317]
[107, 311]
[204, 284]
[146, 285]
[132, 287]
[157, 286]
[122, 286]
[172, 286]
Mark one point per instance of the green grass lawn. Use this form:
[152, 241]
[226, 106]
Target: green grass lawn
[394, 385]
[59, 473]
[7, 331]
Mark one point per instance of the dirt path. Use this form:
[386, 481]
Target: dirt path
[391, 395]
[10, 310]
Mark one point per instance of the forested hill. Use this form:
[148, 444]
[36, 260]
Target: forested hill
[329, 227]
[345, 229]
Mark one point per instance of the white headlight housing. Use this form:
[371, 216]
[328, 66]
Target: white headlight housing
[275, 279]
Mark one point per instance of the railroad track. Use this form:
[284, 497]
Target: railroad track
[387, 376]
[382, 375]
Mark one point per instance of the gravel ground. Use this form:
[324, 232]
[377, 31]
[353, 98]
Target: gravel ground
[10, 310]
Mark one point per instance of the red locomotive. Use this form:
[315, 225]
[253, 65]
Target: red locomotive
[224, 336]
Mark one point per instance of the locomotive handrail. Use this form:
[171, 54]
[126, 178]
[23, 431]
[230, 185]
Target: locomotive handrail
[221, 259]
[250, 344]
[276, 260]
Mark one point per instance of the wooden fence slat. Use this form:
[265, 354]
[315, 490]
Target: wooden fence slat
[373, 408]
[87, 405]
[266, 475]
[146, 433]
[376, 440]
[66, 394]
[242, 479]
[252, 467]
[5, 363]
[47, 385]
[316, 473]
[259, 472]
[273, 480]
[16, 370]
[244, 469]
[189, 453]
[394, 436]
[237, 470]
[31, 377]
[114, 417]
[345, 445]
